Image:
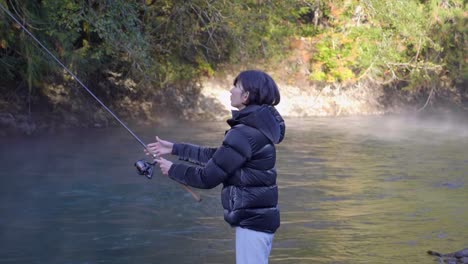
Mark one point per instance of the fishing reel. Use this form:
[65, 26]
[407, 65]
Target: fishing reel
[145, 168]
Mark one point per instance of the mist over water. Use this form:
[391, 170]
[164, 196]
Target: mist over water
[380, 189]
[396, 128]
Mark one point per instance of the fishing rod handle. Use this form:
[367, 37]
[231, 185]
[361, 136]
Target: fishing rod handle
[188, 189]
[194, 195]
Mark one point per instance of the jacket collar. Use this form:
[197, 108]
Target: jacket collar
[265, 118]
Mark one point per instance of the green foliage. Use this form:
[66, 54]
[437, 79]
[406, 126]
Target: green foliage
[448, 34]
[391, 41]
[335, 57]
[337, 49]
[160, 43]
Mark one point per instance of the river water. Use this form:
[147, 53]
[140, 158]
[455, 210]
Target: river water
[352, 190]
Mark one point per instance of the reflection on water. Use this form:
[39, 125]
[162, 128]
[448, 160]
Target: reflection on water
[352, 190]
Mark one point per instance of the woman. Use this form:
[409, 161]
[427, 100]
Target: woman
[244, 164]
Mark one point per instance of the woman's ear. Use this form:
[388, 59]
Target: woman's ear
[245, 97]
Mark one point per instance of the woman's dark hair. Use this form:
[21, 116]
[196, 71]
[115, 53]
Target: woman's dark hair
[261, 87]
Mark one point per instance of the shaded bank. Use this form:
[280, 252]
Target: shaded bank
[209, 100]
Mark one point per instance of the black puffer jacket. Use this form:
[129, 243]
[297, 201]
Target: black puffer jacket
[245, 164]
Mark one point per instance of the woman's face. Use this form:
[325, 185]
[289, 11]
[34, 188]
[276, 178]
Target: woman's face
[238, 96]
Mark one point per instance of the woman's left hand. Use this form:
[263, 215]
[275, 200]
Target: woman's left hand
[164, 164]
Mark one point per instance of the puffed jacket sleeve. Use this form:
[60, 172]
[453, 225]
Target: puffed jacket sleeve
[229, 157]
[193, 153]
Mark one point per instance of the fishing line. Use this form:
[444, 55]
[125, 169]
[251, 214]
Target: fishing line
[143, 167]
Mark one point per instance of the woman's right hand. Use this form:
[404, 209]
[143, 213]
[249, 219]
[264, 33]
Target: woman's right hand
[160, 147]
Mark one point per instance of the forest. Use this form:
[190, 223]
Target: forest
[148, 56]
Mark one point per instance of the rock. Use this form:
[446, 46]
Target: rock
[25, 124]
[7, 120]
[13, 124]
[457, 257]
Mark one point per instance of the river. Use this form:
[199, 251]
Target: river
[378, 189]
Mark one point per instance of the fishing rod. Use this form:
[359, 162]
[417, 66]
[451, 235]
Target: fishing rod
[143, 167]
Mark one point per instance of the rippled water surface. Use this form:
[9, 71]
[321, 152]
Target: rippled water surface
[352, 190]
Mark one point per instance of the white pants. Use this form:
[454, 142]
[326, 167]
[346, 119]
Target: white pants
[252, 247]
